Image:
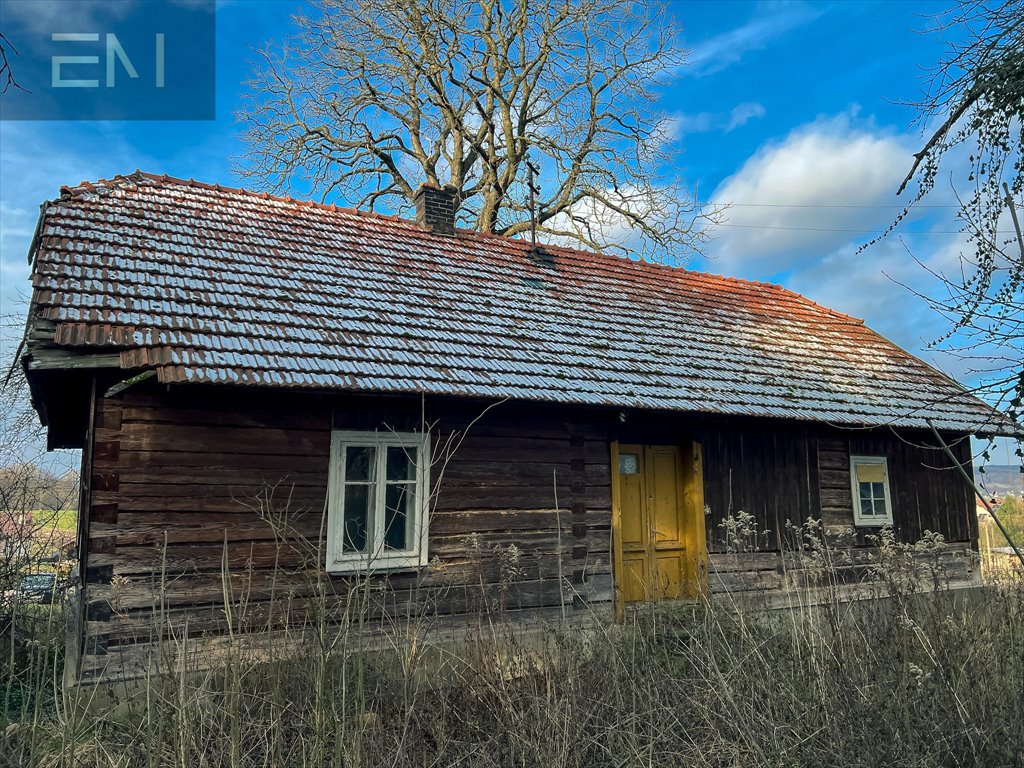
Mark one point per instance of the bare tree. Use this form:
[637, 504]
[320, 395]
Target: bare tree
[36, 491]
[974, 110]
[372, 98]
[7, 79]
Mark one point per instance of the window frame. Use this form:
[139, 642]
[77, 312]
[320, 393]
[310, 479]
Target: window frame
[859, 519]
[376, 558]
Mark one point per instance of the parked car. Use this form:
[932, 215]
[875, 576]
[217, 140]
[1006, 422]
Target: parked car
[39, 588]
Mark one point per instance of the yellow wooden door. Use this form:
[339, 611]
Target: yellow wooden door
[661, 523]
[634, 578]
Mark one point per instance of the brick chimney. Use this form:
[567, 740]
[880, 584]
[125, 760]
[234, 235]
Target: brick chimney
[435, 208]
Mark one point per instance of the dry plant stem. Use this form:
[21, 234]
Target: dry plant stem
[558, 539]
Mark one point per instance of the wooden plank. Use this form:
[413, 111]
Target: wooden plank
[833, 460]
[142, 592]
[59, 358]
[835, 478]
[485, 520]
[229, 488]
[141, 528]
[454, 498]
[748, 561]
[171, 478]
[161, 461]
[304, 418]
[191, 557]
[255, 614]
[743, 581]
[535, 449]
[242, 440]
[200, 503]
[467, 468]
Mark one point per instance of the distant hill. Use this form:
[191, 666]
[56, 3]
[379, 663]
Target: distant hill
[1000, 479]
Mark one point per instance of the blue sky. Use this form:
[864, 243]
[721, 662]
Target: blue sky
[785, 109]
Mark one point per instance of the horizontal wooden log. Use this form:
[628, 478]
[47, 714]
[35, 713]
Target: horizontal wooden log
[219, 439]
[832, 516]
[153, 528]
[516, 468]
[596, 588]
[448, 631]
[157, 411]
[225, 491]
[203, 503]
[837, 498]
[747, 561]
[221, 462]
[133, 527]
[455, 498]
[535, 449]
[140, 594]
[189, 557]
[150, 481]
[149, 591]
[252, 615]
[835, 478]
[744, 581]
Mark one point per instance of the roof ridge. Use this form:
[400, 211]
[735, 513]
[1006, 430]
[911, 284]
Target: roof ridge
[105, 185]
[160, 179]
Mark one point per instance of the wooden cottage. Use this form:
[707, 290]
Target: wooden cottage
[268, 391]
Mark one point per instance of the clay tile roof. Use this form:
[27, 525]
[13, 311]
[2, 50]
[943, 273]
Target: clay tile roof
[209, 284]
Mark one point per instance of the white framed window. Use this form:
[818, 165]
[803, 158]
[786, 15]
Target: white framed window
[377, 501]
[869, 481]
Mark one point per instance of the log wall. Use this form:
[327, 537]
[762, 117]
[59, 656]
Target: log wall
[200, 498]
[784, 473]
[199, 501]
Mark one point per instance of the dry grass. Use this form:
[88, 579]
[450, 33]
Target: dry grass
[914, 677]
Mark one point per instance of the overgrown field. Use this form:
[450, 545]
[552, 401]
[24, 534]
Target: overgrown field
[910, 678]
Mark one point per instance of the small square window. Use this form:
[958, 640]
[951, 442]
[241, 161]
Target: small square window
[629, 463]
[376, 511]
[869, 480]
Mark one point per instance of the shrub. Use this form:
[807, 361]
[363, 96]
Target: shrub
[914, 676]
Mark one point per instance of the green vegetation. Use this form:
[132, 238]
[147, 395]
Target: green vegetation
[1011, 514]
[912, 677]
[56, 519]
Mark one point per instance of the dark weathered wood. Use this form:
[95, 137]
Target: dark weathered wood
[139, 626]
[202, 493]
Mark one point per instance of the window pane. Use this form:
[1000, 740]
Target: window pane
[880, 507]
[870, 473]
[866, 510]
[865, 491]
[401, 463]
[629, 463]
[358, 463]
[357, 505]
[877, 491]
[398, 507]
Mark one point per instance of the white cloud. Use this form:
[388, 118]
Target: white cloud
[884, 286]
[743, 113]
[779, 221]
[781, 230]
[704, 122]
[771, 20]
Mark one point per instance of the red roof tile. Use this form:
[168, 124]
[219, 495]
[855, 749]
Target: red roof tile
[215, 285]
